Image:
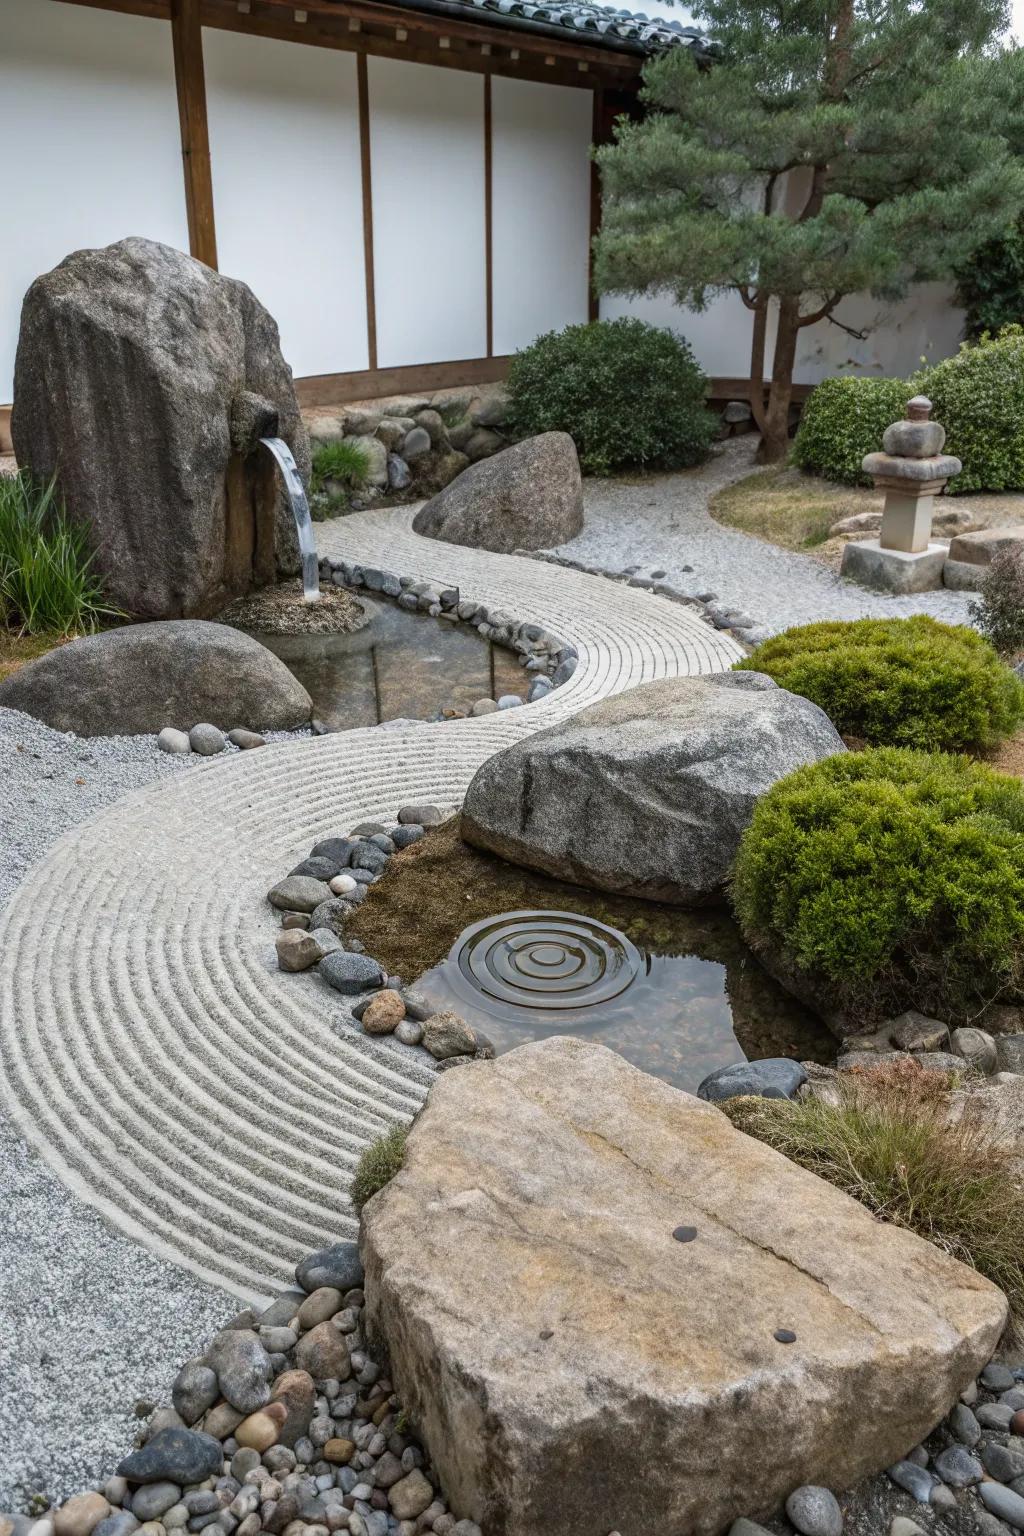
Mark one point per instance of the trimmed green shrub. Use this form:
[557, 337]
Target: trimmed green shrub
[888, 1140]
[978, 396]
[378, 1165]
[47, 581]
[898, 682]
[878, 881]
[630, 396]
[999, 613]
[842, 421]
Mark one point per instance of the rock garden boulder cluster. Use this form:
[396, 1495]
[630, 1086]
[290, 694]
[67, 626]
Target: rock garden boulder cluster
[137, 680]
[412, 447]
[648, 792]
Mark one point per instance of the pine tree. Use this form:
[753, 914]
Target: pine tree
[831, 147]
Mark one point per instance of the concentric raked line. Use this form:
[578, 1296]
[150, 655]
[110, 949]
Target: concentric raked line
[208, 1105]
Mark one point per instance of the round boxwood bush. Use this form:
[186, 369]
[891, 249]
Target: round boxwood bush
[878, 881]
[844, 419]
[899, 682]
[630, 396]
[978, 396]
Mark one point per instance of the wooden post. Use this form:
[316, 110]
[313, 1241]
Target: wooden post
[187, 40]
[366, 169]
[488, 216]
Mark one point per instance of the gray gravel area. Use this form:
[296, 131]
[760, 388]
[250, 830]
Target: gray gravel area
[90, 1323]
[662, 523]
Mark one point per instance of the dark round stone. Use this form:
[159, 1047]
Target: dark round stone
[685, 1234]
[784, 1336]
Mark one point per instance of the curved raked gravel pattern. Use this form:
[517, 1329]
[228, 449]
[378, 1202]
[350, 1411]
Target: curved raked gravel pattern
[208, 1105]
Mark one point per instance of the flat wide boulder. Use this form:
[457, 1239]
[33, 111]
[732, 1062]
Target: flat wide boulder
[530, 496]
[131, 681]
[648, 792]
[584, 1275]
[143, 381]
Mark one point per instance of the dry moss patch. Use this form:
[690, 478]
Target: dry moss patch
[433, 890]
[16, 649]
[784, 506]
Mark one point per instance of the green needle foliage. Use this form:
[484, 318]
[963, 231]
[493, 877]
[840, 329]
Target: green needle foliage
[832, 147]
[378, 1165]
[891, 1140]
[47, 581]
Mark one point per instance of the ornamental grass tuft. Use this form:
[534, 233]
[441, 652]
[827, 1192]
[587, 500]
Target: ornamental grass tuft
[878, 881]
[891, 1137]
[378, 1165]
[899, 682]
[47, 581]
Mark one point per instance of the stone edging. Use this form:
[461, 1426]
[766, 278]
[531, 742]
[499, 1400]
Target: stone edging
[550, 660]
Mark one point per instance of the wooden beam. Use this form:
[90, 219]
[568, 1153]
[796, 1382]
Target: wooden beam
[189, 76]
[488, 216]
[363, 85]
[330, 25]
[419, 378]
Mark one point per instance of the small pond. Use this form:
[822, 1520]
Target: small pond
[398, 666]
[522, 957]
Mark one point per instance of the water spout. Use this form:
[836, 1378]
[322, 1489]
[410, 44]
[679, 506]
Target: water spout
[295, 491]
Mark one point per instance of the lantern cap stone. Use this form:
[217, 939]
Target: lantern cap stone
[919, 408]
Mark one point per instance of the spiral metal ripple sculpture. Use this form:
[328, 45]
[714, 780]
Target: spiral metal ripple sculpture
[547, 960]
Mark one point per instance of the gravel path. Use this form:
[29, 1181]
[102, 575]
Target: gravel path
[90, 1322]
[662, 523]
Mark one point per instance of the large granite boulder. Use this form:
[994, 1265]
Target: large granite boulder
[143, 379]
[138, 679]
[528, 497]
[648, 792]
[582, 1275]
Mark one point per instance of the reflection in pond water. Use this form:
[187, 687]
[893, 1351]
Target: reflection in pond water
[398, 666]
[530, 974]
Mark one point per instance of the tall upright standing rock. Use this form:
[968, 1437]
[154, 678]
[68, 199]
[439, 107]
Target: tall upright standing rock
[143, 379]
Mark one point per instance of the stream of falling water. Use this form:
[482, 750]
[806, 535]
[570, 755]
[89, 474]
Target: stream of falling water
[296, 494]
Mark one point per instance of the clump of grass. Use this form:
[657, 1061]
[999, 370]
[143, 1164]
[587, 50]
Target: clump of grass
[378, 1165]
[47, 581]
[345, 461]
[888, 1139]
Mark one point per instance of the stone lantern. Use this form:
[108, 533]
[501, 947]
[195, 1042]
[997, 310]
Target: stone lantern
[911, 470]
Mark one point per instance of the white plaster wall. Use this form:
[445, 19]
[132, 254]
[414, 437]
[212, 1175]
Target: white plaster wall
[287, 191]
[89, 124]
[926, 325]
[719, 335]
[540, 162]
[427, 153]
